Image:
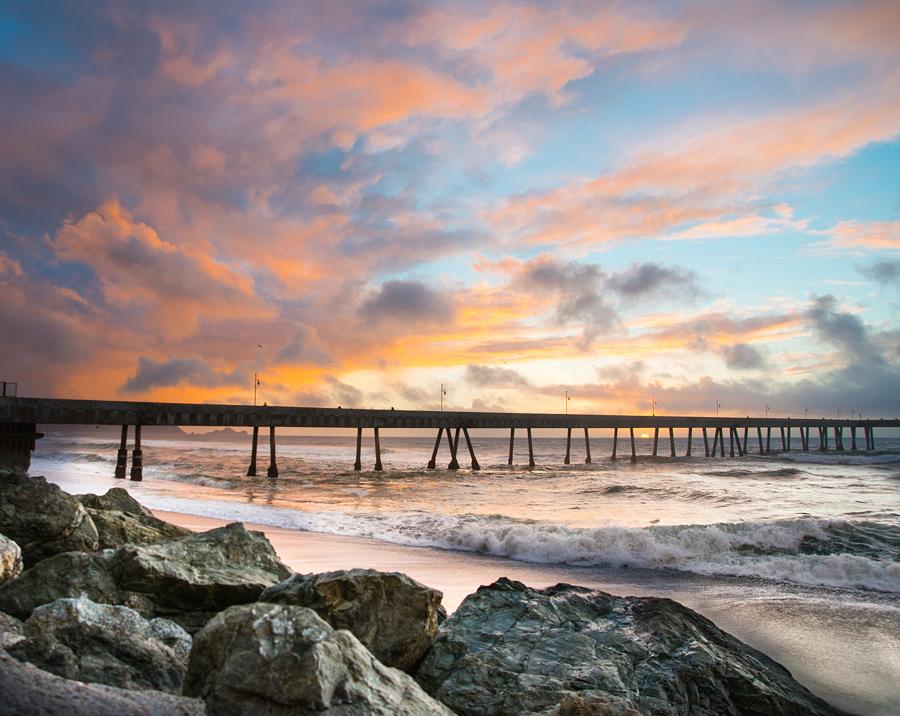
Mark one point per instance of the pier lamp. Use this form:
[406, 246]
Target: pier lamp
[568, 398]
[653, 407]
[718, 405]
[805, 412]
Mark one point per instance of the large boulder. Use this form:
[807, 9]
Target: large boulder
[43, 519]
[510, 649]
[105, 644]
[29, 691]
[188, 579]
[12, 631]
[10, 559]
[120, 520]
[277, 659]
[394, 616]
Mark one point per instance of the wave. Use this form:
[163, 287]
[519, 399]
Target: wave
[832, 553]
[760, 474]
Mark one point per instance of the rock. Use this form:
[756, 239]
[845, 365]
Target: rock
[120, 520]
[394, 616]
[104, 644]
[10, 559]
[510, 649]
[278, 659]
[11, 630]
[29, 691]
[187, 580]
[43, 519]
[203, 573]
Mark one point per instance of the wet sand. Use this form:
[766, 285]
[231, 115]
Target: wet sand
[843, 646]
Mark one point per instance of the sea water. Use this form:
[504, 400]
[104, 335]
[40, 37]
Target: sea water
[810, 538]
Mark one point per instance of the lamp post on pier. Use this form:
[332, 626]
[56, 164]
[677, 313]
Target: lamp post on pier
[653, 407]
[443, 393]
[718, 405]
[568, 398]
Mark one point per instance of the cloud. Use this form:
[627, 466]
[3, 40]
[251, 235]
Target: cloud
[858, 237]
[742, 356]
[885, 271]
[844, 330]
[152, 374]
[411, 301]
[482, 376]
[650, 278]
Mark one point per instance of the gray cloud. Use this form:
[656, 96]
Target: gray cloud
[483, 376]
[412, 301]
[843, 330]
[885, 271]
[742, 356]
[161, 374]
[645, 279]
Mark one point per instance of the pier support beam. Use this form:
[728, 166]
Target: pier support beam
[16, 443]
[122, 455]
[378, 465]
[633, 451]
[475, 465]
[672, 442]
[587, 447]
[823, 432]
[357, 465]
[655, 440]
[568, 460]
[251, 471]
[137, 457]
[530, 450]
[746, 430]
[768, 439]
[721, 443]
[804, 439]
[437, 444]
[759, 441]
[512, 442]
[853, 438]
[737, 439]
[783, 442]
[731, 436]
[273, 464]
[872, 437]
[689, 441]
[838, 439]
[615, 443]
[705, 442]
[715, 440]
[454, 463]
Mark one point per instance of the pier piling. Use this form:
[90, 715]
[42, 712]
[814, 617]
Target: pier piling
[530, 450]
[378, 465]
[437, 444]
[715, 444]
[672, 442]
[512, 442]
[137, 456]
[454, 463]
[568, 461]
[122, 456]
[475, 465]
[853, 438]
[357, 465]
[690, 438]
[633, 451]
[615, 443]
[705, 442]
[587, 447]
[655, 440]
[251, 471]
[273, 464]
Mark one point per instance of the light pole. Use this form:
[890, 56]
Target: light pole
[718, 405]
[839, 414]
[443, 393]
[653, 407]
[255, 383]
[805, 412]
[567, 402]
[767, 410]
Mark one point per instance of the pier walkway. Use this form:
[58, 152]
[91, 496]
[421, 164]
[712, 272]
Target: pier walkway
[19, 418]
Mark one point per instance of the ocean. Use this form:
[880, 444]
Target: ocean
[810, 541]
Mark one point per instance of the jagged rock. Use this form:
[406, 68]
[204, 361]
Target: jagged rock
[10, 559]
[29, 691]
[187, 580]
[278, 659]
[510, 649]
[43, 519]
[394, 616]
[11, 630]
[120, 520]
[104, 644]
[70, 574]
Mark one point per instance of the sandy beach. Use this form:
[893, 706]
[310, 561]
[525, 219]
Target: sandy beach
[815, 636]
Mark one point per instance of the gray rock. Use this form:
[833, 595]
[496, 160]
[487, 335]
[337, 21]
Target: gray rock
[43, 519]
[10, 559]
[120, 520]
[187, 580]
[11, 630]
[104, 644]
[29, 691]
[394, 616]
[510, 649]
[277, 659]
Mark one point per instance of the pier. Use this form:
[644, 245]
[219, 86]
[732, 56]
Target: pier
[20, 417]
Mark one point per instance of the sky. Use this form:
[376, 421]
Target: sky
[650, 206]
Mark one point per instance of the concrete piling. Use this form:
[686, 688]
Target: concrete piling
[251, 470]
[530, 450]
[705, 442]
[454, 463]
[655, 440]
[512, 441]
[633, 451]
[475, 465]
[437, 444]
[568, 461]
[122, 455]
[672, 442]
[273, 464]
[615, 443]
[137, 456]
[357, 464]
[690, 439]
[587, 447]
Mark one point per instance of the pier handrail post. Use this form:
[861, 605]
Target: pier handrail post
[251, 470]
[378, 466]
[530, 449]
[437, 443]
[357, 464]
[587, 447]
[475, 465]
[273, 464]
[567, 460]
[122, 455]
[137, 456]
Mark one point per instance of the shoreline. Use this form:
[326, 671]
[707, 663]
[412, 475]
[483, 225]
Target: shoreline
[809, 631]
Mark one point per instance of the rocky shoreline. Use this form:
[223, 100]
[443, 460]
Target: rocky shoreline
[104, 608]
